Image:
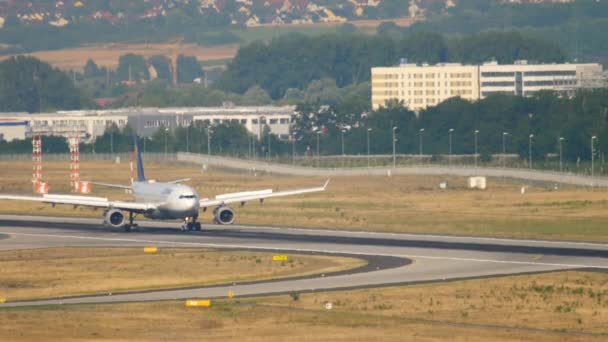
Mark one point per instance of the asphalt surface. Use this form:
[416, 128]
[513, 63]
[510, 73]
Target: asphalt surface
[433, 257]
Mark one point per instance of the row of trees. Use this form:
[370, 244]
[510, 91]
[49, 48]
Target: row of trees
[577, 26]
[546, 116]
[293, 61]
[132, 67]
[29, 85]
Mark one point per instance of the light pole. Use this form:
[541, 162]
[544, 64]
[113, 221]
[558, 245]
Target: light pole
[561, 167]
[343, 154]
[269, 144]
[592, 155]
[450, 132]
[188, 139]
[208, 141]
[318, 148]
[293, 149]
[530, 151]
[166, 134]
[111, 141]
[504, 150]
[394, 147]
[420, 131]
[368, 145]
[476, 133]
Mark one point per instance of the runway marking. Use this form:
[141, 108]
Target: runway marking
[310, 250]
[451, 237]
[333, 231]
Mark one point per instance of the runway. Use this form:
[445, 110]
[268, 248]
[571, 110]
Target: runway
[433, 257]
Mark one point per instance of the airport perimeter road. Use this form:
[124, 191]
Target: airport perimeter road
[434, 258]
[525, 174]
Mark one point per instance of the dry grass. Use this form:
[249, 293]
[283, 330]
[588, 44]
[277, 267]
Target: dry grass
[411, 204]
[107, 54]
[503, 309]
[56, 272]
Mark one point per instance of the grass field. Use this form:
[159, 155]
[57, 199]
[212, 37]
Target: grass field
[57, 272]
[107, 54]
[412, 204]
[549, 307]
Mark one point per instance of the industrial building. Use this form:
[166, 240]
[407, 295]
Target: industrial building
[145, 121]
[422, 86]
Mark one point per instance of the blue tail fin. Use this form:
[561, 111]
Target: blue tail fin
[140, 165]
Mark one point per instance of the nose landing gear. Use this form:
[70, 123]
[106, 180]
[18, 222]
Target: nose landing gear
[191, 224]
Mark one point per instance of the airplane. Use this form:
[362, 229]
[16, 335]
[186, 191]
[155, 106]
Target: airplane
[161, 201]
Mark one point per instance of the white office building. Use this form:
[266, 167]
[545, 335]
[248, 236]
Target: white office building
[422, 86]
[145, 121]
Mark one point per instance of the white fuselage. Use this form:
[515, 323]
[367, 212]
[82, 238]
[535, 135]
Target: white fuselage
[174, 201]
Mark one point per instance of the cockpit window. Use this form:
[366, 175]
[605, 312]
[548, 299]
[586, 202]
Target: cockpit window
[186, 196]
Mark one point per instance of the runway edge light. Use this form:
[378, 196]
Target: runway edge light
[151, 249]
[198, 303]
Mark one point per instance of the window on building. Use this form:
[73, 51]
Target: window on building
[551, 73]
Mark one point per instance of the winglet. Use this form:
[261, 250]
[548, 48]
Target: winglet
[326, 183]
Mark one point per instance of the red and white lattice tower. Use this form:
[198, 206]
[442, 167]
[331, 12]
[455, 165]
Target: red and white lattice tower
[74, 162]
[38, 184]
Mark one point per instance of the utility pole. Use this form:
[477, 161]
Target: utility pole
[368, 146]
[476, 133]
[394, 147]
[504, 150]
[530, 151]
[592, 156]
[208, 141]
[561, 167]
[450, 132]
[420, 144]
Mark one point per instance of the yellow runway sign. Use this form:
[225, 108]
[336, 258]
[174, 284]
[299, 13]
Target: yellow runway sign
[150, 249]
[200, 303]
[279, 257]
[2, 300]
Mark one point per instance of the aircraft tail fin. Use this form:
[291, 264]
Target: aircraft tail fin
[140, 165]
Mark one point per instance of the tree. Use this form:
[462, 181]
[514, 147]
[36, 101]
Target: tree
[132, 67]
[29, 85]
[255, 96]
[162, 65]
[91, 69]
[188, 69]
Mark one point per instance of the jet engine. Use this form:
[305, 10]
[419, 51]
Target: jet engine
[114, 218]
[224, 216]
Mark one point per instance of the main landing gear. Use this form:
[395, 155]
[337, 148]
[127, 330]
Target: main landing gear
[130, 226]
[191, 224]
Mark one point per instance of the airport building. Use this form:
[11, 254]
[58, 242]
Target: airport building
[145, 121]
[422, 86]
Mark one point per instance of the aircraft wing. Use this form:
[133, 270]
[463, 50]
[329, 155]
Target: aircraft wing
[261, 195]
[85, 201]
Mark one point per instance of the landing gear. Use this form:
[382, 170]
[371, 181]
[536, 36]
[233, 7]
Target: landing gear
[191, 224]
[128, 227]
